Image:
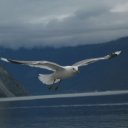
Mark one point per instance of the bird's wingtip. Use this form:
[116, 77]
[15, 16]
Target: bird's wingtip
[114, 54]
[4, 59]
[118, 52]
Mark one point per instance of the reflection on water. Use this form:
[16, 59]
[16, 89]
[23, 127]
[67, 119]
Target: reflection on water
[4, 114]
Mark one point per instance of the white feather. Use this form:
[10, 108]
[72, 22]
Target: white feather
[4, 59]
[60, 72]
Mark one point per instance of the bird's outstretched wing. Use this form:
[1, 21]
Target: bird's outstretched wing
[92, 60]
[38, 64]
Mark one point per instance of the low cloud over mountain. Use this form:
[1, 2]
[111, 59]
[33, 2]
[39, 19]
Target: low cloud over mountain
[61, 23]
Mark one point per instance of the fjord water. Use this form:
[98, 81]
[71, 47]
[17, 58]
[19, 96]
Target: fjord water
[81, 112]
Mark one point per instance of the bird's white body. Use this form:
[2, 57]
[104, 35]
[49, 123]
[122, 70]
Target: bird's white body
[66, 73]
[59, 72]
[55, 77]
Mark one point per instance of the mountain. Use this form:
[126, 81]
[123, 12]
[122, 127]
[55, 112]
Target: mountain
[8, 86]
[103, 75]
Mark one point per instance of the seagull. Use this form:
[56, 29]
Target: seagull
[59, 72]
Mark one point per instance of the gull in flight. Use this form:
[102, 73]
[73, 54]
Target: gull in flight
[59, 72]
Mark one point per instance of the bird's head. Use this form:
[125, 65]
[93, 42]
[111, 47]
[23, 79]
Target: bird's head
[75, 69]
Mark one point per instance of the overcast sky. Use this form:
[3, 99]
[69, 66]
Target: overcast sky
[30, 23]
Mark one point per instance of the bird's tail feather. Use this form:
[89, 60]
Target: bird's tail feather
[46, 79]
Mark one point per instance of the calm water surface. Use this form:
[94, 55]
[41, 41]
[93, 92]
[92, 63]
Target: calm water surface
[64, 115]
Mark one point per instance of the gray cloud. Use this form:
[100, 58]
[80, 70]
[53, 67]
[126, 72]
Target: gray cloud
[30, 23]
